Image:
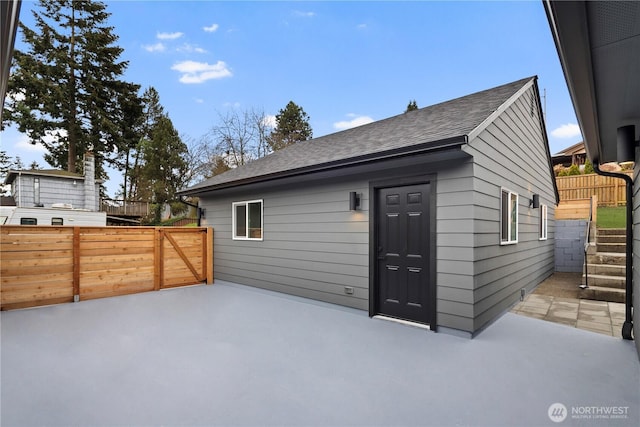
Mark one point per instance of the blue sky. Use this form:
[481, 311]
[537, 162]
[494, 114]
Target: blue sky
[344, 63]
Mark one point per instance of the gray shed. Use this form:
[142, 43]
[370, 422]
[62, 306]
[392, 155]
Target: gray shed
[439, 216]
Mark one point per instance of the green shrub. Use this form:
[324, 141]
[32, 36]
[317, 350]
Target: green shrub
[573, 170]
[588, 167]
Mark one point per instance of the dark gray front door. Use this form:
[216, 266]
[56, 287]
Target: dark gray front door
[403, 288]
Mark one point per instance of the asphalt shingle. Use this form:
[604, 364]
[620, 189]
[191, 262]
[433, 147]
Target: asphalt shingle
[450, 119]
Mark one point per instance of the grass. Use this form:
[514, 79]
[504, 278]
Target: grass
[612, 217]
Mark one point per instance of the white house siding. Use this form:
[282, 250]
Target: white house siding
[509, 153]
[313, 245]
[636, 251]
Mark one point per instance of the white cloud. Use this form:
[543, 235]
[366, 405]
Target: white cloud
[231, 104]
[169, 36]
[212, 28]
[199, 100]
[158, 47]
[304, 14]
[361, 26]
[199, 72]
[24, 143]
[569, 130]
[269, 120]
[189, 48]
[354, 122]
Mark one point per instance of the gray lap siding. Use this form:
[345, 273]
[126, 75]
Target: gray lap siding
[510, 153]
[313, 245]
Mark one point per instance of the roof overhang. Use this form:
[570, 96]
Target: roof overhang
[441, 151]
[599, 48]
[9, 19]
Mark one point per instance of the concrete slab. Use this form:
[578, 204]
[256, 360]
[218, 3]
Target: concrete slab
[233, 355]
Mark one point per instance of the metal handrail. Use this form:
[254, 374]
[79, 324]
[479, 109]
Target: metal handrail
[586, 246]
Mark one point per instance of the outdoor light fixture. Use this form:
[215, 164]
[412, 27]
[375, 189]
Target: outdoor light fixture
[626, 144]
[354, 201]
[535, 201]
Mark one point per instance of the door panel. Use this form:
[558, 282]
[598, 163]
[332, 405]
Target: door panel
[403, 259]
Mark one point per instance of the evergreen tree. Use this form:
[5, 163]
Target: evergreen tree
[412, 106]
[66, 84]
[5, 166]
[159, 167]
[292, 125]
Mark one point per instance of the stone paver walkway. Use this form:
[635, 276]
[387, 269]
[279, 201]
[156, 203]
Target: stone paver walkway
[549, 302]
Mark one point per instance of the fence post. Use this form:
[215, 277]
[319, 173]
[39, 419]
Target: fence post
[209, 256]
[76, 264]
[157, 258]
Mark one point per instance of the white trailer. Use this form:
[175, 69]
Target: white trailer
[12, 215]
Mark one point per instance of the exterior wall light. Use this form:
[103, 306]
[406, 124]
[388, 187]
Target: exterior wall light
[535, 201]
[626, 144]
[354, 201]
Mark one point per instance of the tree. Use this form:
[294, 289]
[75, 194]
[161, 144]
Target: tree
[292, 125]
[239, 137]
[164, 165]
[412, 106]
[5, 166]
[588, 167]
[65, 91]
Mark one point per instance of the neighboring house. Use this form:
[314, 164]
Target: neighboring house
[599, 48]
[427, 216]
[53, 197]
[574, 155]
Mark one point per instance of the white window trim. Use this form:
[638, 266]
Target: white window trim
[233, 220]
[509, 226]
[544, 223]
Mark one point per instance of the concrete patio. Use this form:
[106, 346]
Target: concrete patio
[233, 355]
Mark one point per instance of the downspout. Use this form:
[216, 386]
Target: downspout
[198, 209]
[628, 321]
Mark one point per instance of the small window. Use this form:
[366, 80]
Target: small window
[247, 220]
[28, 221]
[57, 221]
[508, 217]
[542, 226]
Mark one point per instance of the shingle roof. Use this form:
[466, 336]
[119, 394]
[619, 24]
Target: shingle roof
[426, 126]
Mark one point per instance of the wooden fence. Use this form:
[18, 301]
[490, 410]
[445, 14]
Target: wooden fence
[610, 191]
[578, 209]
[42, 265]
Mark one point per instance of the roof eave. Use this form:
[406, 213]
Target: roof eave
[570, 30]
[445, 144]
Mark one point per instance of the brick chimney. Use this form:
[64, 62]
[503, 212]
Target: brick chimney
[90, 196]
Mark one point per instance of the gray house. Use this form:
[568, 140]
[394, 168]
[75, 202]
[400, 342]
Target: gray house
[439, 216]
[53, 197]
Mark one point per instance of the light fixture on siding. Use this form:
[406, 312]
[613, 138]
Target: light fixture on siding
[535, 201]
[626, 144]
[354, 201]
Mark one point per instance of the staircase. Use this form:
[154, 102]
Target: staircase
[606, 266]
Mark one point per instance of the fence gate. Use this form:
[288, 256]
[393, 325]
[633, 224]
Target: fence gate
[183, 257]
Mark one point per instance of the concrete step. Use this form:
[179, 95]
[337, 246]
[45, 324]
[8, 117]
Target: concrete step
[601, 280]
[612, 247]
[608, 238]
[607, 258]
[607, 269]
[612, 231]
[602, 294]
